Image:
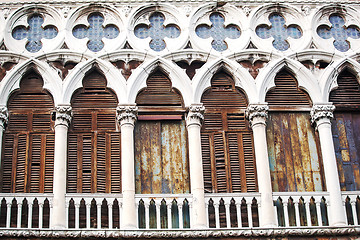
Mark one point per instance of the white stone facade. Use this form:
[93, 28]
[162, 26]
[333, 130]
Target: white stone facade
[185, 16]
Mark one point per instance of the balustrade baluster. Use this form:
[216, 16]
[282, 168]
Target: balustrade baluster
[147, 220]
[19, 205]
[181, 220]
[217, 215]
[77, 215]
[110, 212]
[318, 212]
[41, 215]
[248, 203]
[98, 214]
[88, 206]
[308, 214]
[158, 222]
[8, 214]
[286, 213]
[238, 213]
[354, 212]
[227, 211]
[297, 213]
[169, 218]
[30, 207]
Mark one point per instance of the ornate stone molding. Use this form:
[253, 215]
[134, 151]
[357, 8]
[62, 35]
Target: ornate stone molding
[321, 111]
[63, 115]
[183, 233]
[126, 114]
[4, 116]
[195, 114]
[257, 111]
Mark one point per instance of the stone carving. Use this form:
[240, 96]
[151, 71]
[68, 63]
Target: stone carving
[256, 111]
[195, 114]
[4, 116]
[321, 111]
[127, 114]
[63, 115]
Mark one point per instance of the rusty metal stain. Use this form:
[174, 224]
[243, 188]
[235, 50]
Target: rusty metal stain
[161, 157]
[293, 153]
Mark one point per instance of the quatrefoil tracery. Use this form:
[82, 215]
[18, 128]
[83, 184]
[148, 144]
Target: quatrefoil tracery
[157, 31]
[34, 32]
[339, 32]
[95, 32]
[218, 31]
[279, 31]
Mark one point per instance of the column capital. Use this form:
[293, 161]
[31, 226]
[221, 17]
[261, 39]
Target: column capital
[63, 115]
[4, 116]
[127, 114]
[321, 111]
[257, 113]
[195, 114]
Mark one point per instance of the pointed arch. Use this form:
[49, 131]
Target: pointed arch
[114, 79]
[51, 79]
[242, 78]
[306, 80]
[328, 81]
[179, 79]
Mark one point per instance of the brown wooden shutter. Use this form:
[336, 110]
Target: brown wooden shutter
[7, 163]
[159, 92]
[36, 163]
[228, 159]
[21, 163]
[286, 92]
[347, 95]
[94, 144]
[49, 163]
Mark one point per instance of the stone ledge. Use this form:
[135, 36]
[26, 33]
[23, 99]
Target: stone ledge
[188, 233]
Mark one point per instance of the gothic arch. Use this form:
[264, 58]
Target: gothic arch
[115, 80]
[179, 79]
[304, 77]
[52, 81]
[242, 78]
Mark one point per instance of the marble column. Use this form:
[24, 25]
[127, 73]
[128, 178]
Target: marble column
[62, 122]
[194, 120]
[257, 115]
[321, 115]
[127, 115]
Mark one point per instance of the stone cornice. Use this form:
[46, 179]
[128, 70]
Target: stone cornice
[126, 114]
[195, 114]
[185, 233]
[321, 111]
[63, 115]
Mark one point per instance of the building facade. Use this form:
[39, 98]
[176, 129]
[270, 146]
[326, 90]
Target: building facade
[179, 119]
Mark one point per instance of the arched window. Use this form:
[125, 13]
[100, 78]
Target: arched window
[28, 145]
[345, 130]
[294, 152]
[161, 157]
[94, 139]
[226, 139]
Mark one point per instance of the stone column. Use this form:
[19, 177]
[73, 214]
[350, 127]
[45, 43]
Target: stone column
[4, 116]
[126, 115]
[194, 120]
[321, 115]
[62, 122]
[257, 115]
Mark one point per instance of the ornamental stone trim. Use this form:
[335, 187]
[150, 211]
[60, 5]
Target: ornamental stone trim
[185, 233]
[126, 114]
[195, 115]
[4, 116]
[256, 111]
[322, 111]
[63, 115]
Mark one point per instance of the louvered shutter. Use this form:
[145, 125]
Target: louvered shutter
[7, 174]
[227, 148]
[94, 141]
[49, 163]
[21, 163]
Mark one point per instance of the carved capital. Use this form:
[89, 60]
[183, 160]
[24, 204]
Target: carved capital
[195, 114]
[258, 111]
[63, 115]
[4, 116]
[322, 111]
[126, 114]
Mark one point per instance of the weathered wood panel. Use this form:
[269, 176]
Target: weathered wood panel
[346, 136]
[295, 162]
[161, 158]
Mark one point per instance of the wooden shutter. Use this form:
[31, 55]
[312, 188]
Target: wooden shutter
[294, 153]
[7, 163]
[161, 157]
[347, 95]
[158, 92]
[227, 148]
[286, 92]
[94, 141]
